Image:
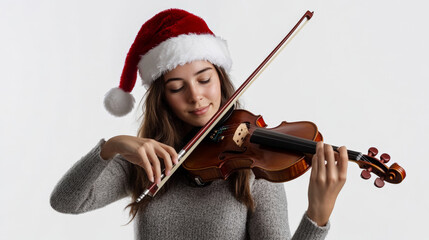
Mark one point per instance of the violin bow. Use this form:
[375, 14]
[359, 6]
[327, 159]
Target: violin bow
[202, 133]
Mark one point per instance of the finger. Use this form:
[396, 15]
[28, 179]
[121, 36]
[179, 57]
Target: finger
[320, 159]
[145, 164]
[343, 162]
[162, 153]
[314, 168]
[330, 161]
[172, 153]
[154, 160]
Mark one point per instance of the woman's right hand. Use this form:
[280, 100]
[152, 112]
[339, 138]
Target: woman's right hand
[144, 152]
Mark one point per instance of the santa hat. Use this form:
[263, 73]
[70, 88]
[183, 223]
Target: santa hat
[171, 38]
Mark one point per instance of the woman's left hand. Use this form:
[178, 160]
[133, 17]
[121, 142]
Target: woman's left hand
[328, 175]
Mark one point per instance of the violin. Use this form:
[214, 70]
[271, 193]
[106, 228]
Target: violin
[299, 143]
[279, 154]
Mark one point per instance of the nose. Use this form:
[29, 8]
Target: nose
[194, 93]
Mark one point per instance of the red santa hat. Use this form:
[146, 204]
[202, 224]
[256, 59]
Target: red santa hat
[171, 38]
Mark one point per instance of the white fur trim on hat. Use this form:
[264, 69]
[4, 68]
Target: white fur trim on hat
[181, 50]
[118, 102]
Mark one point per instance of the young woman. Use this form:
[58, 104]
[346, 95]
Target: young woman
[185, 68]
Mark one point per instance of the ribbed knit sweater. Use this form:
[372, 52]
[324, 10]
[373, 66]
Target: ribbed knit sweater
[184, 211]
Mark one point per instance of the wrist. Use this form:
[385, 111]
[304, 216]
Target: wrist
[106, 152]
[316, 217]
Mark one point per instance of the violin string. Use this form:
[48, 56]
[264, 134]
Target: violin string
[231, 128]
[230, 131]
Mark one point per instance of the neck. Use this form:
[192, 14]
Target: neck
[288, 142]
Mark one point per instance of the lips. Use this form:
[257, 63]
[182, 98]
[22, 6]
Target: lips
[200, 111]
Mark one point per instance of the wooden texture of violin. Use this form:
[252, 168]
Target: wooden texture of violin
[276, 154]
[219, 155]
[392, 174]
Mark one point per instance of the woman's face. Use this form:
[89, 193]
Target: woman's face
[193, 92]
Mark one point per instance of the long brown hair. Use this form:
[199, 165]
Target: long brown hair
[161, 124]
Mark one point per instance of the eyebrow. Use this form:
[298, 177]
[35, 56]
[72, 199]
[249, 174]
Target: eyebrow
[195, 74]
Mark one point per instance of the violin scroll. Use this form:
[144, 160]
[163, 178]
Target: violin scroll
[392, 174]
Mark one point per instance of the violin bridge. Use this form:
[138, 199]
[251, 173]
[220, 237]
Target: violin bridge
[240, 134]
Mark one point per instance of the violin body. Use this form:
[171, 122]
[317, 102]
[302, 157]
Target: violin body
[276, 154]
[219, 154]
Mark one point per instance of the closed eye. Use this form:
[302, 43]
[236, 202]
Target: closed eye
[176, 90]
[205, 81]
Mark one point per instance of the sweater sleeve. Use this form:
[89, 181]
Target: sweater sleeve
[308, 229]
[91, 183]
[270, 219]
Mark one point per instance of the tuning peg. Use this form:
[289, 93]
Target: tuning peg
[384, 158]
[372, 151]
[366, 174]
[379, 182]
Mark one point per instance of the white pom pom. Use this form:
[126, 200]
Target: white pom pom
[118, 102]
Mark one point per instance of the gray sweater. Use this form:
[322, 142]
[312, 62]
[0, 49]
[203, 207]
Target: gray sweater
[184, 211]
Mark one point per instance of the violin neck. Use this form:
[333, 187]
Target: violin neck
[270, 138]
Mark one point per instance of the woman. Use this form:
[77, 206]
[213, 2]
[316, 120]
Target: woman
[184, 66]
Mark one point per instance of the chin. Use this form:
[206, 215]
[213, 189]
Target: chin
[200, 122]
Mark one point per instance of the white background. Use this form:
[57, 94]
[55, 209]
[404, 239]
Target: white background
[358, 70]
